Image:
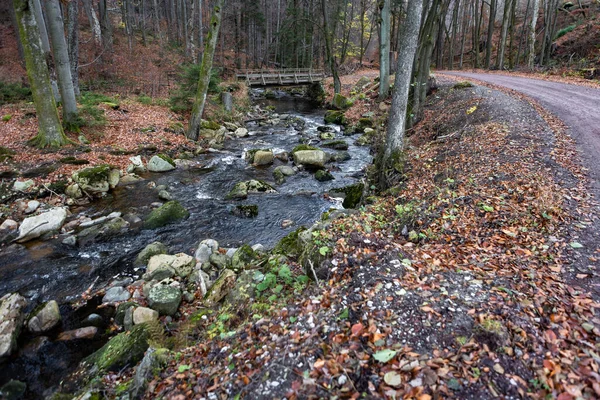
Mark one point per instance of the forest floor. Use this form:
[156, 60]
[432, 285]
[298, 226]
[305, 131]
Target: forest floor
[462, 284]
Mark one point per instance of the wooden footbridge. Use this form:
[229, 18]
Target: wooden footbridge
[280, 77]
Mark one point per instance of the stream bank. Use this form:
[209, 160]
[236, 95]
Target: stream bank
[63, 267]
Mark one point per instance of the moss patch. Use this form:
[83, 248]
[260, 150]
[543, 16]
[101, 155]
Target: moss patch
[166, 214]
[302, 147]
[288, 245]
[126, 348]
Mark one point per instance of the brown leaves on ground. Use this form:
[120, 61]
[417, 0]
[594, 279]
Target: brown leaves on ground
[474, 306]
[129, 130]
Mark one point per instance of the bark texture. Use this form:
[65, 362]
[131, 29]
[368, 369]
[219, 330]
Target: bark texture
[205, 70]
[50, 129]
[61, 60]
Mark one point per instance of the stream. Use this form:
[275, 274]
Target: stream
[50, 270]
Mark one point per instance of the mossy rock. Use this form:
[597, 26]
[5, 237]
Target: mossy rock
[302, 147]
[125, 349]
[246, 210]
[204, 124]
[94, 179]
[121, 310]
[336, 145]
[341, 102]
[152, 249]
[170, 212]
[288, 245]
[73, 161]
[463, 85]
[335, 117]
[241, 189]
[220, 288]
[102, 232]
[353, 194]
[323, 175]
[242, 257]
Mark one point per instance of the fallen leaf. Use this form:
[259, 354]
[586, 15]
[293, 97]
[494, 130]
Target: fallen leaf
[392, 378]
[384, 355]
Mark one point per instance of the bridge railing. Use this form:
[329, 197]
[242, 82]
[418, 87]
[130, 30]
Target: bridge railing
[291, 76]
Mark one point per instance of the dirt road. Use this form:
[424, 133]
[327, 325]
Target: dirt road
[577, 106]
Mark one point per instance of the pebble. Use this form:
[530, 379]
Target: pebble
[9, 225]
[32, 206]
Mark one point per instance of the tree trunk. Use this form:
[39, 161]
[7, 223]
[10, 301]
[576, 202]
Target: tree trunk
[534, 18]
[105, 25]
[490, 34]
[384, 49]
[73, 42]
[200, 31]
[94, 22]
[407, 46]
[328, 36]
[50, 130]
[205, 71]
[61, 60]
[502, 42]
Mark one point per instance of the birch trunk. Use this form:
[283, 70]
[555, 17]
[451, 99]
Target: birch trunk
[94, 22]
[61, 60]
[534, 17]
[205, 70]
[50, 130]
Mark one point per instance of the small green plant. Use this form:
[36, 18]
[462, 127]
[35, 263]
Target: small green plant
[181, 99]
[145, 100]
[89, 112]
[564, 31]
[14, 93]
[6, 118]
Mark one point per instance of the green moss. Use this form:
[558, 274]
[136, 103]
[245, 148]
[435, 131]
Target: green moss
[121, 309]
[353, 194]
[302, 147]
[73, 161]
[288, 245]
[6, 118]
[95, 174]
[204, 124]
[462, 85]
[335, 117]
[58, 186]
[323, 175]
[166, 214]
[242, 257]
[167, 159]
[125, 349]
[336, 145]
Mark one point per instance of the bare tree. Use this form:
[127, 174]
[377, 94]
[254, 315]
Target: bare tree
[384, 48]
[205, 70]
[50, 130]
[534, 18]
[61, 60]
[407, 46]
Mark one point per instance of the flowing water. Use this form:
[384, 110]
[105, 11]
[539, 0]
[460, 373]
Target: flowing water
[45, 270]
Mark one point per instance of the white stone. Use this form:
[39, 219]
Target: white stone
[11, 321]
[241, 132]
[32, 206]
[21, 186]
[144, 314]
[9, 225]
[181, 263]
[157, 164]
[34, 227]
[45, 319]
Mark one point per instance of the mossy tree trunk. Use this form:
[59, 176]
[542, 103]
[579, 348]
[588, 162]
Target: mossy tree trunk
[407, 46]
[50, 129]
[63, 67]
[73, 42]
[205, 71]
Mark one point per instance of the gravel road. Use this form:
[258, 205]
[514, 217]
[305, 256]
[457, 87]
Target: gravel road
[577, 106]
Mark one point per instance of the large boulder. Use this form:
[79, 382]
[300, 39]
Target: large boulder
[311, 158]
[98, 179]
[168, 213]
[263, 157]
[34, 227]
[11, 322]
[44, 318]
[165, 299]
[152, 249]
[340, 102]
[335, 117]
[181, 264]
[161, 163]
